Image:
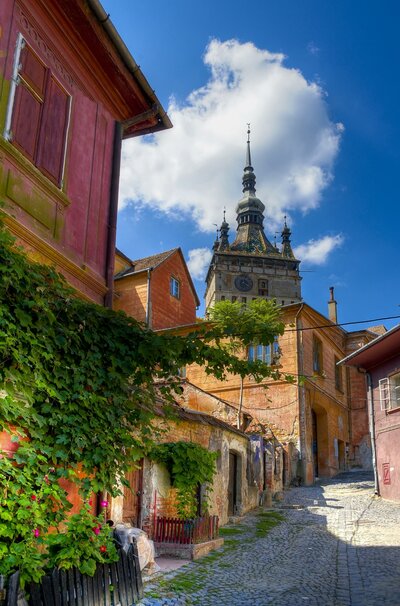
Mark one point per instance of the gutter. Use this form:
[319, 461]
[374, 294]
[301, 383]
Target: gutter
[370, 399]
[148, 302]
[113, 210]
[302, 411]
[156, 107]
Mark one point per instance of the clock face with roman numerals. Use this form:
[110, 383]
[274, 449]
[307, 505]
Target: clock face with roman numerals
[244, 283]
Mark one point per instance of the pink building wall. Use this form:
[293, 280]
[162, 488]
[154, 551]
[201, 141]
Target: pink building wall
[387, 434]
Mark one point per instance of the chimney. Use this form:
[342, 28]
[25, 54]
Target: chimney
[332, 307]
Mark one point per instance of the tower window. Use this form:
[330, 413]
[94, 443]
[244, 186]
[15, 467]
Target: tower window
[263, 288]
[244, 299]
[174, 287]
[222, 298]
[233, 298]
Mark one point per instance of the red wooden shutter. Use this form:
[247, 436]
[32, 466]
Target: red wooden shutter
[53, 129]
[28, 102]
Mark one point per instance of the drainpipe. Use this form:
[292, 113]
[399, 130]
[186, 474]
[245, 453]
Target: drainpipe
[371, 411]
[148, 302]
[300, 388]
[112, 221]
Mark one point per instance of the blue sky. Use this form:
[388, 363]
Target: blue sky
[318, 80]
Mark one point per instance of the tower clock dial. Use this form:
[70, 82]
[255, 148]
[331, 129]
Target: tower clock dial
[244, 283]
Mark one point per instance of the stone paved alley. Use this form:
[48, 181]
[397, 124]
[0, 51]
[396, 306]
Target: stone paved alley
[337, 545]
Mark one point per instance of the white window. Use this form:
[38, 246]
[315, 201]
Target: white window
[174, 287]
[269, 354]
[389, 391]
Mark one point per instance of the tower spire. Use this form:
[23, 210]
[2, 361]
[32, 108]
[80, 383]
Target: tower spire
[286, 246]
[224, 234]
[249, 178]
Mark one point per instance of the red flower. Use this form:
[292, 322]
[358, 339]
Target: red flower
[103, 549]
[36, 533]
[97, 530]
[103, 503]
[33, 497]
[90, 502]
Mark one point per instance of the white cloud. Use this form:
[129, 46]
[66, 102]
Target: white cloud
[195, 169]
[198, 262]
[317, 251]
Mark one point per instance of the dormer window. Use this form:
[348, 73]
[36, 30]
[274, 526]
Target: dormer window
[174, 288]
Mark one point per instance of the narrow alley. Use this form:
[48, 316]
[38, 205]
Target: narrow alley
[333, 544]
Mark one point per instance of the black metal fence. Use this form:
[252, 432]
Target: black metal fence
[116, 584]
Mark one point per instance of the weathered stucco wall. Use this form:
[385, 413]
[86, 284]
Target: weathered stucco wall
[159, 498]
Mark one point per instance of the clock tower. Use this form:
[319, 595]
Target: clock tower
[251, 266]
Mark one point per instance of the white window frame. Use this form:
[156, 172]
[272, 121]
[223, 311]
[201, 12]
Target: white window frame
[174, 287]
[268, 354]
[389, 392]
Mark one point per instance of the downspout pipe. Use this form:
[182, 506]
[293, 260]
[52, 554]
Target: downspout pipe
[300, 388]
[148, 302]
[371, 415]
[113, 211]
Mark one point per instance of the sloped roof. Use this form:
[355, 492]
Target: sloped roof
[145, 263]
[376, 351]
[154, 261]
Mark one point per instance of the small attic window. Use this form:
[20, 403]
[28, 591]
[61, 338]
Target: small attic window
[174, 288]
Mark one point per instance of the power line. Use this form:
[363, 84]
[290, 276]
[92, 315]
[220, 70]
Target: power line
[333, 325]
[320, 326]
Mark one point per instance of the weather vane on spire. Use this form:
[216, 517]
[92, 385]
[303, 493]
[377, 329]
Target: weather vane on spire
[248, 132]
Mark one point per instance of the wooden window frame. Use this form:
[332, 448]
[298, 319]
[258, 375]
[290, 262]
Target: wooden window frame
[46, 99]
[174, 287]
[318, 358]
[338, 375]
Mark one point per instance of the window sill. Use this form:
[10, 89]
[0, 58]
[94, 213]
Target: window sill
[393, 410]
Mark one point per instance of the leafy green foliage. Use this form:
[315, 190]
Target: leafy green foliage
[78, 386]
[258, 321]
[189, 465]
[85, 542]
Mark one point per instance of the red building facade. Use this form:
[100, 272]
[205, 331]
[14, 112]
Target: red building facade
[69, 92]
[156, 290]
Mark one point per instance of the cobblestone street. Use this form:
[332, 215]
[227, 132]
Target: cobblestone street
[338, 545]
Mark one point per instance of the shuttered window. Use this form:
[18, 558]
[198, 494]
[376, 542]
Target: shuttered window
[40, 115]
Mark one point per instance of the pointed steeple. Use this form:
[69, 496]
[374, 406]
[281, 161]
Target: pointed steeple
[216, 242]
[250, 236]
[286, 246]
[224, 234]
[249, 178]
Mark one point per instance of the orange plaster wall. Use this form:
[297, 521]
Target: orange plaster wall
[168, 311]
[130, 296]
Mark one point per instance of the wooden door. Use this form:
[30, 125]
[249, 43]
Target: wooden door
[232, 485]
[133, 497]
[315, 442]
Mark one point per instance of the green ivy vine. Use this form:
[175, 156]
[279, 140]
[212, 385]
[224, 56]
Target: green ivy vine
[78, 383]
[189, 465]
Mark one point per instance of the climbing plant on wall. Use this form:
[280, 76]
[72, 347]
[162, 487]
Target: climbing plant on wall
[77, 392]
[189, 466]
